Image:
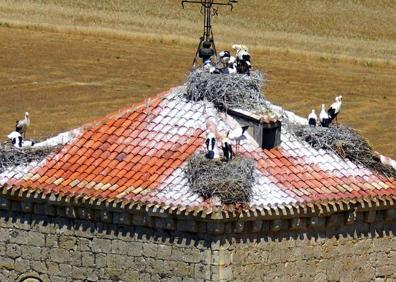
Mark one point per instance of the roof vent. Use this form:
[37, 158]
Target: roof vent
[264, 129]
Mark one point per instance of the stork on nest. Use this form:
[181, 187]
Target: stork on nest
[345, 142]
[227, 91]
[230, 181]
[21, 126]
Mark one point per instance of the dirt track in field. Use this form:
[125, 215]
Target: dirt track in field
[66, 80]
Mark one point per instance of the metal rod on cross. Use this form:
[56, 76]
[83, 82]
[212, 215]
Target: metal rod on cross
[208, 9]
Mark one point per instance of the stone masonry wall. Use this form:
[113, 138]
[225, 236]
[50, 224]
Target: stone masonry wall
[59, 249]
[55, 248]
[355, 255]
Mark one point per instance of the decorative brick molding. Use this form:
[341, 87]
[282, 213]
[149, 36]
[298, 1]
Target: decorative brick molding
[214, 224]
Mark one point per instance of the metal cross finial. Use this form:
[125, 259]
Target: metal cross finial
[208, 9]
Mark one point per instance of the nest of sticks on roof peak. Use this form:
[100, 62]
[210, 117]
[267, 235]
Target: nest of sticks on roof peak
[13, 157]
[346, 143]
[231, 181]
[227, 91]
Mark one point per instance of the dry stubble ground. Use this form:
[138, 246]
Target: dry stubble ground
[65, 80]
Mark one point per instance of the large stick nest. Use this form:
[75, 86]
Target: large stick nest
[231, 181]
[12, 157]
[227, 91]
[345, 142]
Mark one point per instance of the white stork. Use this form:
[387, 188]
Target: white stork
[324, 117]
[17, 140]
[22, 125]
[312, 118]
[224, 57]
[335, 109]
[237, 135]
[227, 149]
[210, 146]
[232, 65]
[243, 58]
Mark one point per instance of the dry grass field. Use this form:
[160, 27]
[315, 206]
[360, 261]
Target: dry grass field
[68, 62]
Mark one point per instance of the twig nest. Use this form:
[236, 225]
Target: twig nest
[231, 181]
[227, 91]
[345, 142]
[11, 156]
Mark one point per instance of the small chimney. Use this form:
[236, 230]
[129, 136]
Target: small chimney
[265, 130]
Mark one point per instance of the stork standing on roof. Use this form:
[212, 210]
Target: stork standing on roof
[237, 135]
[22, 125]
[312, 118]
[227, 149]
[335, 109]
[324, 117]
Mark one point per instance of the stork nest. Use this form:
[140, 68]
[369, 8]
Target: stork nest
[231, 181]
[345, 142]
[227, 91]
[12, 157]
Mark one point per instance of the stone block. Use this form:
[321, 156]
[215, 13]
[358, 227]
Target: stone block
[119, 247]
[53, 268]
[150, 250]
[164, 251]
[221, 258]
[101, 245]
[84, 244]
[68, 242]
[135, 249]
[87, 259]
[39, 266]
[51, 241]
[13, 251]
[22, 265]
[59, 255]
[36, 239]
[34, 253]
[65, 270]
[79, 273]
[20, 237]
[202, 271]
[100, 260]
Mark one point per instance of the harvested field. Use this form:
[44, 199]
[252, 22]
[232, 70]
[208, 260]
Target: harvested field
[65, 80]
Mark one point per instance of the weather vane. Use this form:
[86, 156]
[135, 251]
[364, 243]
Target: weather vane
[208, 9]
